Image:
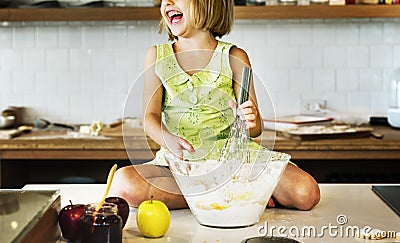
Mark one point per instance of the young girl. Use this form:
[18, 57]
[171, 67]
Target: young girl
[191, 88]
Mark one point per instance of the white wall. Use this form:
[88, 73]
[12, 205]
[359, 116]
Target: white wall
[81, 71]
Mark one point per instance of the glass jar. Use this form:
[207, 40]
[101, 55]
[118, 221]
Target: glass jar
[394, 105]
[104, 226]
[395, 89]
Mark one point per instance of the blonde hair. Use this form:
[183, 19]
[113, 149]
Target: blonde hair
[215, 16]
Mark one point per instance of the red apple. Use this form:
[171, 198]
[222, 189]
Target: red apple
[123, 208]
[69, 219]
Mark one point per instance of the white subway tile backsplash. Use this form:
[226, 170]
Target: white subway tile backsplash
[46, 83]
[69, 83]
[47, 37]
[346, 80]
[57, 60]
[278, 34]
[311, 57]
[323, 34]
[396, 56]
[11, 60]
[264, 58]
[387, 78]
[133, 105]
[337, 102]
[155, 37]
[13, 99]
[139, 36]
[120, 105]
[93, 37]
[6, 37]
[34, 60]
[82, 105]
[334, 56]
[381, 56]
[105, 106]
[35, 107]
[235, 36]
[255, 35]
[115, 83]
[300, 34]
[357, 101]
[323, 80]
[370, 79]
[80, 59]
[288, 57]
[140, 56]
[277, 80]
[23, 83]
[358, 56]
[391, 33]
[115, 36]
[288, 103]
[82, 71]
[57, 105]
[371, 33]
[5, 83]
[70, 36]
[347, 33]
[134, 80]
[379, 103]
[24, 37]
[92, 83]
[268, 105]
[300, 80]
[103, 59]
[125, 60]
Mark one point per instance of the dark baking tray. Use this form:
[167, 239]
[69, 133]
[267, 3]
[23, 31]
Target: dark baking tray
[390, 195]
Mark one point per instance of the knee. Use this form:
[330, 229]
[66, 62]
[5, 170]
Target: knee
[306, 194]
[124, 185]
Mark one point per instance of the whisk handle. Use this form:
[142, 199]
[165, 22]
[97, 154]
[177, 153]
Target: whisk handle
[245, 85]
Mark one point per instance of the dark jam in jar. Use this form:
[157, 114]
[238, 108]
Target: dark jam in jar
[104, 226]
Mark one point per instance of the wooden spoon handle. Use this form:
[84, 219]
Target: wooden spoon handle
[109, 180]
[19, 131]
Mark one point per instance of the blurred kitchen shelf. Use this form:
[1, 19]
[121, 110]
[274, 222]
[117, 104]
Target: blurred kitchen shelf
[317, 12]
[241, 12]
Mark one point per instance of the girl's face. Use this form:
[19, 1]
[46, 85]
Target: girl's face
[176, 16]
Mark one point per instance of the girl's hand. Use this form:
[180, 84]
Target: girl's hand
[247, 111]
[176, 145]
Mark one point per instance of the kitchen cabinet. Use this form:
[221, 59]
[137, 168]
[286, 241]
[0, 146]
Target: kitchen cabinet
[241, 12]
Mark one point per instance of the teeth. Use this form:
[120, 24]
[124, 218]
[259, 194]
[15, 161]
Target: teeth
[172, 13]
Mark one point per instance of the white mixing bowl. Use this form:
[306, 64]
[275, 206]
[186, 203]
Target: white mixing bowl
[228, 194]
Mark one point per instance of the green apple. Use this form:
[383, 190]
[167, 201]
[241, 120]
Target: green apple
[153, 218]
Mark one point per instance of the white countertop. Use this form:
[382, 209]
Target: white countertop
[356, 204]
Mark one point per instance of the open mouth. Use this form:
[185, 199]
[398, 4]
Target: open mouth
[174, 16]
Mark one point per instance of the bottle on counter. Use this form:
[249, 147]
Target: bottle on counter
[255, 2]
[101, 226]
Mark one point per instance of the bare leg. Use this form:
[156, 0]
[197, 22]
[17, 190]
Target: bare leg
[296, 189]
[137, 183]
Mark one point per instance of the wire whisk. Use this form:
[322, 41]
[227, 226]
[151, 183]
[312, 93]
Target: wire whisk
[237, 144]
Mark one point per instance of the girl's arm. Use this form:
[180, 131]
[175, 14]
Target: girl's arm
[152, 103]
[238, 59]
